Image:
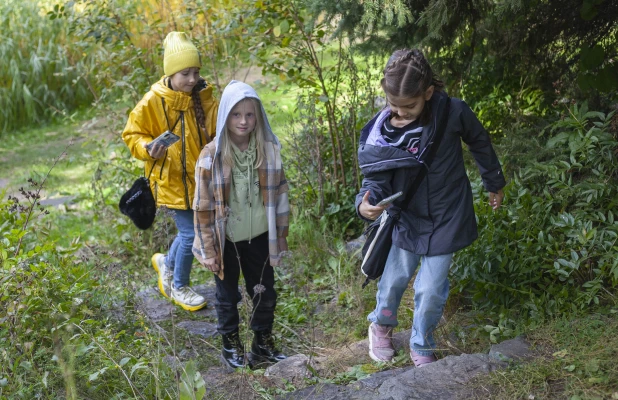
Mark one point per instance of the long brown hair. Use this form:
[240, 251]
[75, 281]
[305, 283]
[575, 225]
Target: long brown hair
[408, 74]
[197, 106]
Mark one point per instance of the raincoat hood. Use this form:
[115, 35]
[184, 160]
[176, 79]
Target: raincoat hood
[234, 92]
[176, 100]
[172, 177]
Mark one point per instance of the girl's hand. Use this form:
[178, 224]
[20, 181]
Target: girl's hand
[495, 199]
[367, 210]
[211, 264]
[156, 151]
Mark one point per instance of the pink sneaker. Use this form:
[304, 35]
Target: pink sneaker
[420, 361]
[380, 343]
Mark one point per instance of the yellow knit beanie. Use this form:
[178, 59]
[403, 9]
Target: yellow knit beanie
[179, 53]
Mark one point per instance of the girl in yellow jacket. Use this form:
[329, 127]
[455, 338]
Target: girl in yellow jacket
[182, 103]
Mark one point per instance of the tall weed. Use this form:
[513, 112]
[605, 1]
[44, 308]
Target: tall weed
[40, 77]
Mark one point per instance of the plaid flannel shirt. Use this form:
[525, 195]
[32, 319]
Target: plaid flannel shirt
[212, 191]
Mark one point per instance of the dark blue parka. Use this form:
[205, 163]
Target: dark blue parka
[440, 217]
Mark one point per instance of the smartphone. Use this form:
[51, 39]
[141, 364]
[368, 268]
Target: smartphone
[166, 139]
[389, 199]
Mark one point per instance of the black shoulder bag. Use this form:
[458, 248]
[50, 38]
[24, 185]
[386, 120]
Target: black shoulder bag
[379, 234]
[138, 203]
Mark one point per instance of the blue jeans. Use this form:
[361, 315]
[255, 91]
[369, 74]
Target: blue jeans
[180, 257]
[431, 288]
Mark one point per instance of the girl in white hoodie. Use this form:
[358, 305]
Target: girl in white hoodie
[241, 219]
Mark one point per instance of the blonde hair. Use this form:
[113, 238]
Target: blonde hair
[259, 132]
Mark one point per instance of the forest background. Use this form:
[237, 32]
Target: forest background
[542, 76]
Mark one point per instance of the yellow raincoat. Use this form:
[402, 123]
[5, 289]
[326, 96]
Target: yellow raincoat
[173, 177]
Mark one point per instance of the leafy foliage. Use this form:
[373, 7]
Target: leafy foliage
[551, 249]
[57, 335]
[541, 43]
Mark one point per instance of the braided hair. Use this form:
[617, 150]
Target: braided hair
[197, 105]
[408, 74]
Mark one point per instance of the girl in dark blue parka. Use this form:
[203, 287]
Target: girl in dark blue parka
[439, 219]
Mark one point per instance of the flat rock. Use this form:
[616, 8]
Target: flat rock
[375, 380]
[444, 379]
[158, 308]
[517, 349]
[215, 376]
[353, 247]
[188, 354]
[330, 392]
[291, 368]
[155, 306]
[200, 328]
[57, 201]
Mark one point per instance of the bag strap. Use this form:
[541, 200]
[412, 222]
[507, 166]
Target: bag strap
[171, 129]
[427, 161]
[150, 173]
[182, 114]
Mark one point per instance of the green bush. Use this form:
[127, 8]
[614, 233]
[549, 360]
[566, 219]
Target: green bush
[57, 338]
[552, 249]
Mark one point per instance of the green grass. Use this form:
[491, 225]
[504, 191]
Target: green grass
[30, 154]
[577, 361]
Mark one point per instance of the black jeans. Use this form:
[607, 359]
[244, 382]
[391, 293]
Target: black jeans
[259, 281]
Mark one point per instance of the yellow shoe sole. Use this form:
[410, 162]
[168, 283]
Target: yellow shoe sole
[190, 308]
[153, 259]
[161, 288]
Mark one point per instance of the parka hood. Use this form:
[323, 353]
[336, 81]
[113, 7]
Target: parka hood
[234, 92]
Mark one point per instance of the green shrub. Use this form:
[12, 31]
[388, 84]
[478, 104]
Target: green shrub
[552, 249]
[57, 338]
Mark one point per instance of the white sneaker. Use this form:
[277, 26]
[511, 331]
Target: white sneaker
[165, 274]
[186, 298]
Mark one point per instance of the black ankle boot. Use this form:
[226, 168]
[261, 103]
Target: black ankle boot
[263, 347]
[233, 351]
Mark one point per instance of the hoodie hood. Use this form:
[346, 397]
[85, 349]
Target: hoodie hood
[234, 92]
[176, 100]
